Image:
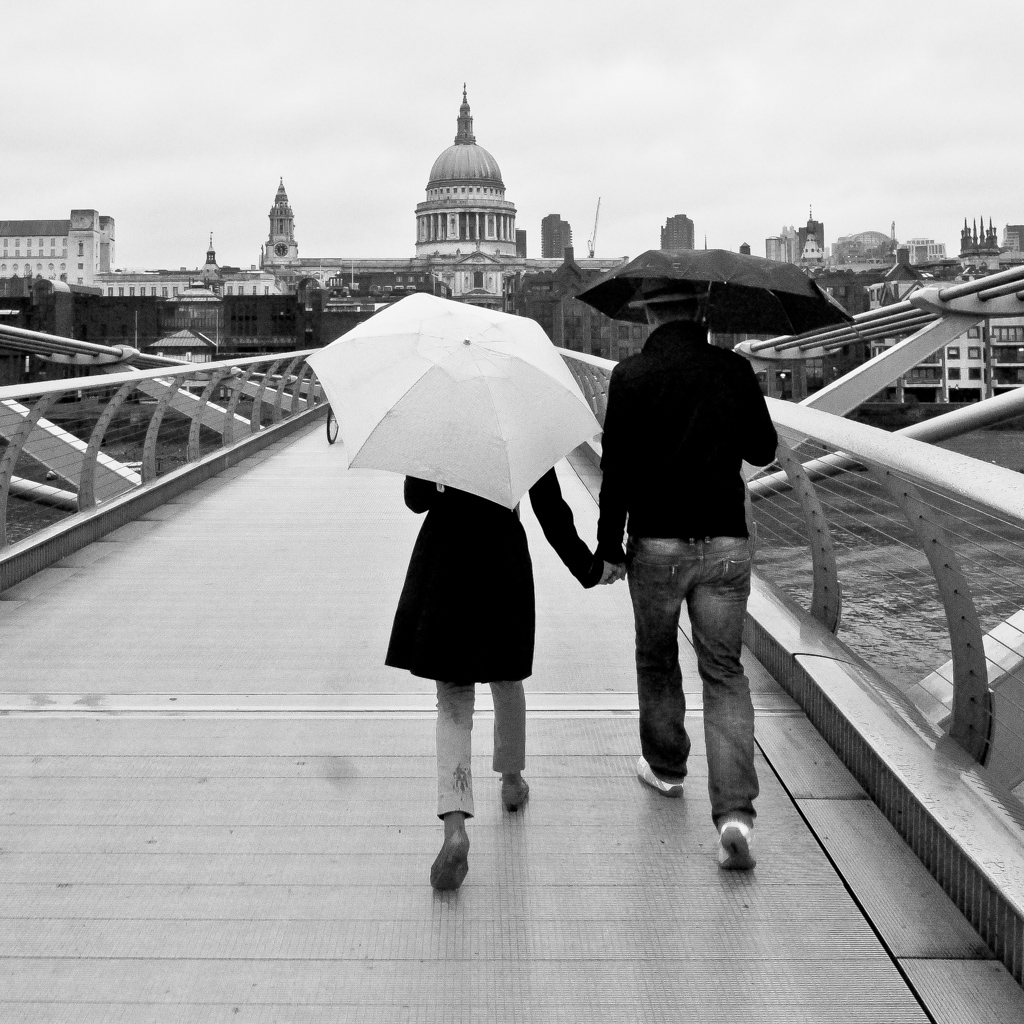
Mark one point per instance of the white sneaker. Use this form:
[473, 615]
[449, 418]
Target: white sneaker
[735, 846]
[646, 774]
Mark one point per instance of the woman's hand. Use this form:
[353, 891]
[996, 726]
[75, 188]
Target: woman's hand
[612, 573]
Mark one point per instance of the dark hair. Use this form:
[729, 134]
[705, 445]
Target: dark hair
[688, 308]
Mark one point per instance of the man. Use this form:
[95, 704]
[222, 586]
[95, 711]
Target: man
[682, 415]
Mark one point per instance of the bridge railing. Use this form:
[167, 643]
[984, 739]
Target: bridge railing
[70, 445]
[913, 555]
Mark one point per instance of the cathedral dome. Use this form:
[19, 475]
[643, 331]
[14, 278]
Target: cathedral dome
[465, 161]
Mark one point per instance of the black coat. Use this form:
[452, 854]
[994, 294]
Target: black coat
[466, 614]
[682, 416]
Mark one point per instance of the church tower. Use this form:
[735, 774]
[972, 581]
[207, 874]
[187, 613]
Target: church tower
[281, 246]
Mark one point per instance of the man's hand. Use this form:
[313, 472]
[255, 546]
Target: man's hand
[612, 573]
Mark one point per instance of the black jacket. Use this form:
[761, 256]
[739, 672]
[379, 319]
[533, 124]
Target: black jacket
[682, 415]
[466, 614]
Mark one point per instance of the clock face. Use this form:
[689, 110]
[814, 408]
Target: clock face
[280, 249]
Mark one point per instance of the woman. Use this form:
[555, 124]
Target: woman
[466, 616]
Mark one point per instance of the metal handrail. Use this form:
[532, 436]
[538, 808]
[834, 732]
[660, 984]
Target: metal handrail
[914, 473]
[86, 464]
[107, 380]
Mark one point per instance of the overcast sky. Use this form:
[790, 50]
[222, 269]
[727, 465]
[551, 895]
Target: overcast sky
[178, 119]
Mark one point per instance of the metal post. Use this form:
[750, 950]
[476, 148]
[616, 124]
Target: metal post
[11, 453]
[257, 403]
[149, 446]
[285, 377]
[193, 432]
[87, 477]
[827, 596]
[238, 388]
[971, 723]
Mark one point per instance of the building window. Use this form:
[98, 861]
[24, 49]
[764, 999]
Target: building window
[81, 266]
[131, 291]
[175, 291]
[231, 290]
[120, 291]
[973, 332]
[953, 352]
[974, 352]
[266, 290]
[110, 291]
[81, 248]
[163, 292]
[954, 373]
[974, 373]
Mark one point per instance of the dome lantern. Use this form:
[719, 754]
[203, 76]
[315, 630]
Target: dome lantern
[465, 162]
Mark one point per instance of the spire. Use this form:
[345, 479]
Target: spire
[211, 256]
[465, 136]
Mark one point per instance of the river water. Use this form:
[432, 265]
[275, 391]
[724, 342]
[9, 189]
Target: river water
[892, 614]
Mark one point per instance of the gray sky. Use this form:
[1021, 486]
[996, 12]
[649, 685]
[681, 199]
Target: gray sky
[177, 119]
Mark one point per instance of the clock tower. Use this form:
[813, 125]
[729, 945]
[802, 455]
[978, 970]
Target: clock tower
[281, 246]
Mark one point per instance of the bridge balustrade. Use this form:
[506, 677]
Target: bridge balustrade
[913, 555]
[70, 446]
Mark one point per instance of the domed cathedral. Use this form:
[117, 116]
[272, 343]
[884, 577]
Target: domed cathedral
[465, 224]
[466, 240]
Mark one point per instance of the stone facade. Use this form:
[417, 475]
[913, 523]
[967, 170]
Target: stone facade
[75, 250]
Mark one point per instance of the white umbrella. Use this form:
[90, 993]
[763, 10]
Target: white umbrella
[450, 392]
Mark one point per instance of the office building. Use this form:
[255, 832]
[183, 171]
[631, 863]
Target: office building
[555, 236]
[677, 232]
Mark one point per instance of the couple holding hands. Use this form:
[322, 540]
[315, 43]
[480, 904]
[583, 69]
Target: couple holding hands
[682, 415]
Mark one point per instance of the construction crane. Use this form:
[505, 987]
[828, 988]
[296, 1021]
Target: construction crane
[593, 237]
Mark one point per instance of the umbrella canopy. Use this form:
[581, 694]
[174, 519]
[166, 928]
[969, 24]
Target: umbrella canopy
[745, 294]
[454, 393]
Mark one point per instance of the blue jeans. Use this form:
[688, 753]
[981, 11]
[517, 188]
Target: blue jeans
[712, 576]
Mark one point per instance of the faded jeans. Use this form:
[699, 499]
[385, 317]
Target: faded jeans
[712, 575]
[455, 735]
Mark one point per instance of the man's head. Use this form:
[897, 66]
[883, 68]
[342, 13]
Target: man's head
[667, 305]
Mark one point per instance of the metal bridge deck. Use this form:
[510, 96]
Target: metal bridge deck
[218, 804]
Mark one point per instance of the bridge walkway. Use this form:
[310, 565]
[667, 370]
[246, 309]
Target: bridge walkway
[219, 804]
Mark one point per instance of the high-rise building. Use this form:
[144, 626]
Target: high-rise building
[1013, 237]
[555, 236]
[782, 247]
[677, 232]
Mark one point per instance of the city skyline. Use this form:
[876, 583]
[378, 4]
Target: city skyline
[741, 117]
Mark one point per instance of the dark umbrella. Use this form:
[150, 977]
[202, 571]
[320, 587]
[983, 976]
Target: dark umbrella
[745, 294]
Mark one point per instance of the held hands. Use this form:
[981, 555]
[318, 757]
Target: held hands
[612, 573]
